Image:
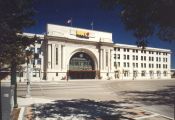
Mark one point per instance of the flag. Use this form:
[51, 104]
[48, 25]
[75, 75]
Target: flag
[69, 21]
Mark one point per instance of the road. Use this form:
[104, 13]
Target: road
[156, 96]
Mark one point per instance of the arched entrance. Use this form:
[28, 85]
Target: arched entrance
[81, 66]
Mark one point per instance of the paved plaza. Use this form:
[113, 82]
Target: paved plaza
[100, 99]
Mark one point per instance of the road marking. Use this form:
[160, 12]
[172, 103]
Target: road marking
[147, 116]
[157, 114]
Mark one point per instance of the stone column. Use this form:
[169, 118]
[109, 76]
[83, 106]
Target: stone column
[49, 56]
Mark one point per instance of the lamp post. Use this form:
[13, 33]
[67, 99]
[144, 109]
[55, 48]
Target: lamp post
[29, 57]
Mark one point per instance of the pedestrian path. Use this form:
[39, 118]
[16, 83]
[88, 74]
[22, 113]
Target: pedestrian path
[83, 109]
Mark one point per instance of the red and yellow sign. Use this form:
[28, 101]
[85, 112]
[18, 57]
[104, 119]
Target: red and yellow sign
[82, 34]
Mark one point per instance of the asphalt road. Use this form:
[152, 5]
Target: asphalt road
[156, 95]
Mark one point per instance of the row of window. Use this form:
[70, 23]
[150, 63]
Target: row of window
[142, 51]
[143, 65]
[143, 73]
[143, 58]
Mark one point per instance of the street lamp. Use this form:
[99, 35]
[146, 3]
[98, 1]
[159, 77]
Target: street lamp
[29, 57]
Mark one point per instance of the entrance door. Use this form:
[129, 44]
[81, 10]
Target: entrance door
[81, 66]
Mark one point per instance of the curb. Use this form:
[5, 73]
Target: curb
[158, 114]
[21, 114]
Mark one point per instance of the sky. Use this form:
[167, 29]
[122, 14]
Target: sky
[83, 13]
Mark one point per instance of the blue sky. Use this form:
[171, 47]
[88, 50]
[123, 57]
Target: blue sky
[83, 12]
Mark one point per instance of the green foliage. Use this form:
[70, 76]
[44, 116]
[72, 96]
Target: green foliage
[15, 15]
[146, 17]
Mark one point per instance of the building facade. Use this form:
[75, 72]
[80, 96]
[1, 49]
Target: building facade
[132, 62]
[66, 53]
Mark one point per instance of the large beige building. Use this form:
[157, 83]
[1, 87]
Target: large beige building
[75, 53]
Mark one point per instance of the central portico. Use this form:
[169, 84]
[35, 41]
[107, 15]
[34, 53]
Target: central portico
[74, 53]
[82, 66]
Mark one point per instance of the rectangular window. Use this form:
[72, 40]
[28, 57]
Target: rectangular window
[133, 65]
[152, 58]
[141, 65]
[118, 64]
[106, 59]
[39, 50]
[149, 65]
[124, 49]
[124, 64]
[128, 64]
[126, 73]
[56, 56]
[114, 56]
[165, 73]
[143, 74]
[115, 64]
[127, 57]
[141, 57]
[136, 65]
[133, 57]
[136, 57]
[118, 56]
[124, 57]
[39, 61]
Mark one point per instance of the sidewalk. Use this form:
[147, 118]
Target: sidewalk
[82, 109]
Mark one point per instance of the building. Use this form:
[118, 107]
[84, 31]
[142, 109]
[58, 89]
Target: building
[66, 53]
[132, 62]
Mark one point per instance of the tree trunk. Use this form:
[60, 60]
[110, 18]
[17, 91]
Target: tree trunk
[13, 82]
[0, 103]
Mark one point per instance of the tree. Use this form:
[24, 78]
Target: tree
[146, 17]
[15, 15]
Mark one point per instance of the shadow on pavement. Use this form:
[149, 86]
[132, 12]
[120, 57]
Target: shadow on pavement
[160, 97]
[83, 109]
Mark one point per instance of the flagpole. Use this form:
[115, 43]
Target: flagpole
[71, 22]
[92, 25]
